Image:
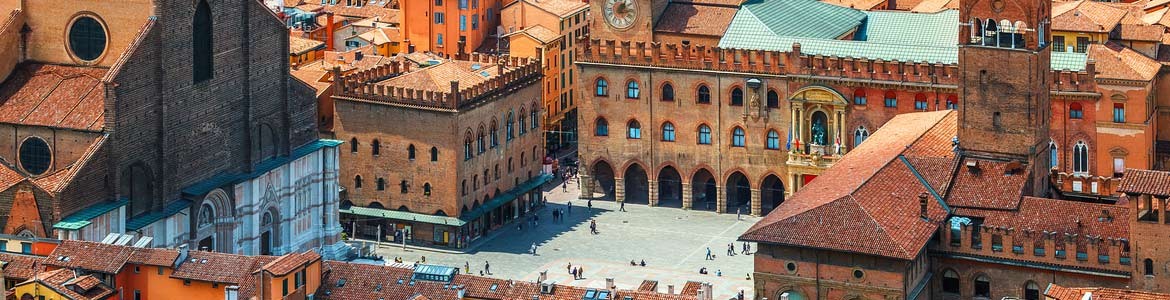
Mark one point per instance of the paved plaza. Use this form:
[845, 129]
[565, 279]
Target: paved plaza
[672, 241]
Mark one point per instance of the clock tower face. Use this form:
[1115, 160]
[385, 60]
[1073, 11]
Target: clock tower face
[620, 14]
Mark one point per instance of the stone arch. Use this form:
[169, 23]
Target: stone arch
[771, 192]
[816, 93]
[270, 232]
[704, 189]
[739, 191]
[729, 172]
[635, 180]
[210, 231]
[268, 142]
[670, 189]
[603, 179]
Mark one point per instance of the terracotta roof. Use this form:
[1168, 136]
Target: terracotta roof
[219, 267]
[369, 11]
[561, 8]
[1085, 16]
[933, 6]
[60, 279]
[378, 36]
[1117, 62]
[291, 262]
[299, 45]
[648, 285]
[1142, 32]
[91, 256]
[868, 201]
[56, 182]
[153, 257]
[988, 185]
[856, 4]
[540, 33]
[691, 288]
[315, 74]
[438, 78]
[1056, 292]
[695, 19]
[1145, 182]
[9, 177]
[1060, 216]
[54, 95]
[19, 266]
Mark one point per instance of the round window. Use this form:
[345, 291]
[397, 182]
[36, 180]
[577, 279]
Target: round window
[87, 38]
[791, 267]
[35, 156]
[858, 274]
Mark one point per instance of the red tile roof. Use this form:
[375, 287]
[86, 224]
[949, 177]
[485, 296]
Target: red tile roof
[691, 288]
[1142, 32]
[1118, 62]
[9, 177]
[1085, 16]
[154, 257]
[369, 11]
[219, 267]
[56, 182]
[1056, 292]
[438, 78]
[53, 95]
[648, 285]
[19, 266]
[695, 19]
[988, 185]
[1060, 216]
[288, 263]
[560, 8]
[59, 280]
[1146, 182]
[868, 201]
[92, 256]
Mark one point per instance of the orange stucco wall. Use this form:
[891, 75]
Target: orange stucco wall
[151, 285]
[49, 21]
[423, 33]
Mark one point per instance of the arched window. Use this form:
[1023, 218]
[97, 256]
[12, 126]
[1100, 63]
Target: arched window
[475, 182]
[891, 99]
[773, 140]
[522, 160]
[1031, 291]
[976, 31]
[667, 92]
[860, 135]
[376, 147]
[773, 99]
[632, 91]
[523, 128]
[792, 295]
[201, 42]
[952, 102]
[989, 33]
[496, 171]
[1018, 37]
[381, 182]
[950, 282]
[406, 186]
[920, 102]
[532, 115]
[633, 129]
[511, 125]
[1054, 154]
[602, 87]
[495, 133]
[1007, 33]
[704, 135]
[1075, 111]
[859, 97]
[206, 215]
[667, 132]
[434, 154]
[601, 127]
[357, 182]
[736, 96]
[467, 147]
[1148, 267]
[427, 189]
[409, 151]
[704, 96]
[737, 137]
[480, 143]
[510, 162]
[1081, 157]
[464, 184]
[353, 145]
[535, 157]
[983, 286]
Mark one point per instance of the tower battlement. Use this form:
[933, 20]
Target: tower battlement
[370, 85]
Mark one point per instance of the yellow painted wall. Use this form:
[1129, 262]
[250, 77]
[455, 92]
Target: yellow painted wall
[49, 21]
[1070, 38]
[36, 289]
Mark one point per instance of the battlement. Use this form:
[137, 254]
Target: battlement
[795, 63]
[512, 73]
[1044, 247]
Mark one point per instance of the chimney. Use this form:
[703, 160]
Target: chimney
[709, 289]
[454, 87]
[609, 283]
[922, 206]
[329, 32]
[1091, 68]
[670, 289]
[702, 293]
[182, 255]
[543, 274]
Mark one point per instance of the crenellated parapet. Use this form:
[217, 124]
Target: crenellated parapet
[1074, 183]
[511, 73]
[1047, 247]
[798, 64]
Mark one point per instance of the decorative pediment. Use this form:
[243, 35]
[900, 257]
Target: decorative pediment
[819, 94]
[1118, 152]
[1119, 97]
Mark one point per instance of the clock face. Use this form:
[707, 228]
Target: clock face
[620, 14]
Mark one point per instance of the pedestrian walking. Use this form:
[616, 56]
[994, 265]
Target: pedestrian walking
[744, 248]
[708, 254]
[570, 209]
[730, 250]
[565, 186]
[580, 272]
[487, 267]
[593, 226]
[569, 268]
[589, 204]
[738, 215]
[573, 271]
[622, 207]
[534, 249]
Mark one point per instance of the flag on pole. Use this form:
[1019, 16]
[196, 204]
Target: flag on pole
[788, 146]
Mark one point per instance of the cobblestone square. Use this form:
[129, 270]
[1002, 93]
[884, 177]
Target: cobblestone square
[672, 241]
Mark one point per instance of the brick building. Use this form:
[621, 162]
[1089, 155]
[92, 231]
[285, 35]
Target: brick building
[553, 28]
[156, 119]
[468, 161]
[746, 109]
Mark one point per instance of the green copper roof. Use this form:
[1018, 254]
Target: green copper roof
[804, 18]
[402, 216]
[80, 219]
[880, 35]
[146, 219]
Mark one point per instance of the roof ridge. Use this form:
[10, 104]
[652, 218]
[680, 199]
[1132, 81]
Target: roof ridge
[878, 225]
[60, 79]
[81, 98]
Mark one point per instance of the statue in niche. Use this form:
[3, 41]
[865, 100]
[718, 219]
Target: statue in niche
[819, 131]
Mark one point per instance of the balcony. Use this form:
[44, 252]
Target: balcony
[1084, 185]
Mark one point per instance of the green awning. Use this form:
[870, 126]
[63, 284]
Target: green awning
[506, 197]
[80, 219]
[402, 216]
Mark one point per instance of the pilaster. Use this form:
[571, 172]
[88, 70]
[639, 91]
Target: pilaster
[756, 202]
[586, 186]
[686, 195]
[619, 189]
[721, 199]
[653, 188]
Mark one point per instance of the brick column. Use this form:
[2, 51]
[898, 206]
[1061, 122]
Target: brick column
[619, 189]
[756, 201]
[586, 185]
[653, 189]
[686, 195]
[721, 199]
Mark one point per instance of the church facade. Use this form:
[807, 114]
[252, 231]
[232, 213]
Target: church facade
[175, 122]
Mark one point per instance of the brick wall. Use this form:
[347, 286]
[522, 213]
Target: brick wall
[49, 22]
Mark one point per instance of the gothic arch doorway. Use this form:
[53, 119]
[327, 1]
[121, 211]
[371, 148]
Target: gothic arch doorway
[270, 232]
[669, 187]
[703, 191]
[739, 193]
[603, 180]
[771, 194]
[637, 188]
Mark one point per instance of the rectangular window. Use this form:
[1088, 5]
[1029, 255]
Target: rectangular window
[1118, 113]
[859, 100]
[137, 295]
[438, 2]
[462, 4]
[1058, 43]
[284, 287]
[891, 102]
[1082, 44]
[462, 23]
[474, 4]
[474, 21]
[1118, 166]
[438, 18]
[439, 39]
[26, 247]
[160, 270]
[920, 105]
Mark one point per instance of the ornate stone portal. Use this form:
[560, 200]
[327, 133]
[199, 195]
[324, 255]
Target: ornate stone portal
[817, 133]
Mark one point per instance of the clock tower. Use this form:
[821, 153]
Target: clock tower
[625, 20]
[1004, 68]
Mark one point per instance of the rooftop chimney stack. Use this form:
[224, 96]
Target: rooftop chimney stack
[609, 283]
[922, 206]
[670, 289]
[182, 255]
